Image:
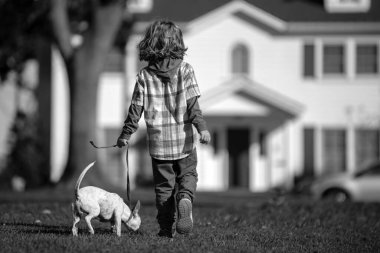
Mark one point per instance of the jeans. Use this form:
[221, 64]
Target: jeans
[173, 180]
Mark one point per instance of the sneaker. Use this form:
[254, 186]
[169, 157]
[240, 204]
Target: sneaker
[185, 216]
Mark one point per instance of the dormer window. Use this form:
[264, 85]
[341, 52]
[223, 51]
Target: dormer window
[347, 5]
[240, 59]
[139, 6]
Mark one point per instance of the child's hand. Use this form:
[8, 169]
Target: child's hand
[205, 137]
[122, 142]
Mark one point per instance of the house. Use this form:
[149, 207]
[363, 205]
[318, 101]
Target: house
[289, 88]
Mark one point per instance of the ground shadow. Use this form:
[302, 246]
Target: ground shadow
[38, 228]
[61, 229]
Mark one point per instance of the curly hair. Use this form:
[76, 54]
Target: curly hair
[163, 39]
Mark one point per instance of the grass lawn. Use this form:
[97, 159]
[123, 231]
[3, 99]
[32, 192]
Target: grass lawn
[230, 222]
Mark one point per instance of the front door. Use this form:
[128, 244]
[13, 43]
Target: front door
[238, 150]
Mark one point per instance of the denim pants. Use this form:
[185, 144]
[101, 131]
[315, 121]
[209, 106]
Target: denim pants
[173, 180]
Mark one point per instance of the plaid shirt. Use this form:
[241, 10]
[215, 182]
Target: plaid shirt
[170, 132]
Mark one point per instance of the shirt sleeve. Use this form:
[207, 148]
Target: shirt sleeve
[131, 124]
[138, 92]
[135, 111]
[195, 114]
[191, 84]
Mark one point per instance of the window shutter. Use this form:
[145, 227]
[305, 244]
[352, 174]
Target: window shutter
[309, 61]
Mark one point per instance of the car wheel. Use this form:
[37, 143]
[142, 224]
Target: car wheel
[337, 195]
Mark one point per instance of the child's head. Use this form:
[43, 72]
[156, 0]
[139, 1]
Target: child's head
[163, 39]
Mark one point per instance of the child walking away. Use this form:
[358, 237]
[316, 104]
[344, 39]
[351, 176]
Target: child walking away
[167, 92]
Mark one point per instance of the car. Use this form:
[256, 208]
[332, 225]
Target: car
[362, 185]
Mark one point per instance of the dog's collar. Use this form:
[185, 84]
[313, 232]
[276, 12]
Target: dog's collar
[129, 218]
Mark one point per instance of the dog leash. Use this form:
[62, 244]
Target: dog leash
[127, 169]
[93, 144]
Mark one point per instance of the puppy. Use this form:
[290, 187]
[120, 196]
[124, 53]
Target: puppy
[93, 202]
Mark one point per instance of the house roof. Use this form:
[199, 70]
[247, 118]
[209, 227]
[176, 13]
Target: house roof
[286, 10]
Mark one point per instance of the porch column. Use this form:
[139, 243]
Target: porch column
[350, 139]
[288, 155]
[223, 156]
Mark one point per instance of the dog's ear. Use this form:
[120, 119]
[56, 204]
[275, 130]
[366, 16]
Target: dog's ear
[136, 208]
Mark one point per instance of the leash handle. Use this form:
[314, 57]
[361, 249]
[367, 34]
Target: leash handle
[93, 144]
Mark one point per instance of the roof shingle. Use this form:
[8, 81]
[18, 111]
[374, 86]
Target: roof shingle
[287, 10]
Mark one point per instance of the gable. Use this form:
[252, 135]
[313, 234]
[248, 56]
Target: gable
[242, 97]
[235, 105]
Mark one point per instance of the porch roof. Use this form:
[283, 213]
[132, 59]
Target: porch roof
[241, 96]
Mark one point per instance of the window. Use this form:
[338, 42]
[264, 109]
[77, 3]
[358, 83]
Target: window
[308, 61]
[263, 143]
[372, 170]
[334, 150]
[240, 59]
[214, 142]
[343, 6]
[333, 59]
[367, 59]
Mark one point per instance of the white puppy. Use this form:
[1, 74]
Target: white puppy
[94, 202]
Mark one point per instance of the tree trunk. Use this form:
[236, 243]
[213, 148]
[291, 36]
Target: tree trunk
[84, 66]
[83, 86]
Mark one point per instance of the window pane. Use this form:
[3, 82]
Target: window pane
[334, 147]
[308, 70]
[240, 60]
[367, 59]
[333, 59]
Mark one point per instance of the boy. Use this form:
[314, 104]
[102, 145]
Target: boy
[167, 92]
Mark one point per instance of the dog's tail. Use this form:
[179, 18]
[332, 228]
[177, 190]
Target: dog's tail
[81, 176]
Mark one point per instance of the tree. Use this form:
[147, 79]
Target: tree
[96, 23]
[84, 31]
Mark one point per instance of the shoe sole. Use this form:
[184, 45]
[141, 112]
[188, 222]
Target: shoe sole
[185, 219]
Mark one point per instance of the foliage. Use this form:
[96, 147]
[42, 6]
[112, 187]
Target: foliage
[24, 23]
[21, 23]
[25, 159]
[233, 224]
